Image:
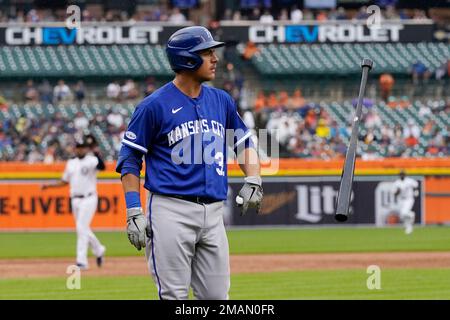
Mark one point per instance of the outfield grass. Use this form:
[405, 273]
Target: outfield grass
[335, 284]
[432, 238]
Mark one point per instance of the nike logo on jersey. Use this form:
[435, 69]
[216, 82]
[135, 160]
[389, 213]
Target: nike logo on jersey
[176, 110]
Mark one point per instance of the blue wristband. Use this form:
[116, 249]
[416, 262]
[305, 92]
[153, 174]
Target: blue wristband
[132, 199]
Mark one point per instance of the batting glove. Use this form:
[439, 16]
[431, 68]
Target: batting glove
[138, 229]
[251, 195]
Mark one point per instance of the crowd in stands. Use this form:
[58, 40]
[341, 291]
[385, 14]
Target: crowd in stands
[296, 15]
[50, 139]
[307, 130]
[157, 13]
[263, 11]
[77, 92]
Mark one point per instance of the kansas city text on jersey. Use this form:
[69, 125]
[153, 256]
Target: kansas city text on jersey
[194, 127]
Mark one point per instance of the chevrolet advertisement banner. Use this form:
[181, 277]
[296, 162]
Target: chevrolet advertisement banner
[157, 33]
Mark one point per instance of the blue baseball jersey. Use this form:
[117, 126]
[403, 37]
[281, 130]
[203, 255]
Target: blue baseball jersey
[184, 140]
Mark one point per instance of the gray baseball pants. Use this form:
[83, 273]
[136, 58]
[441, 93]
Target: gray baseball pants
[188, 247]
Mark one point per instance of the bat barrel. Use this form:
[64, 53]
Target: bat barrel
[345, 188]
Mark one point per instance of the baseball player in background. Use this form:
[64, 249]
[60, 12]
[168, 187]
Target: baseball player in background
[404, 190]
[81, 174]
[180, 129]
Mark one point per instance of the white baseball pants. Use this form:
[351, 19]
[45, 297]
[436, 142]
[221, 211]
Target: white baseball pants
[83, 211]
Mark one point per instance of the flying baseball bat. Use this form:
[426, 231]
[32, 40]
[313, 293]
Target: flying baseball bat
[345, 188]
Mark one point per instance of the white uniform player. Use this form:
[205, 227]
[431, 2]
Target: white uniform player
[404, 189]
[81, 174]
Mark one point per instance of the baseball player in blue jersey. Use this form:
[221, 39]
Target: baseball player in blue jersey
[181, 129]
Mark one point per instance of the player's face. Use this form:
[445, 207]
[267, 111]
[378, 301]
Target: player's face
[80, 152]
[207, 70]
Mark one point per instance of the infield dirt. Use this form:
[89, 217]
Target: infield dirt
[137, 266]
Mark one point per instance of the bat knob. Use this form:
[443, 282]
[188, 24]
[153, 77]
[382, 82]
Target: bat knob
[367, 63]
[341, 217]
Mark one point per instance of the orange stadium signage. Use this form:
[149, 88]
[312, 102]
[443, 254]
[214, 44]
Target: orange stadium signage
[25, 206]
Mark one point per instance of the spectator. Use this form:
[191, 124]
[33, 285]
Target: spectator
[45, 92]
[80, 92]
[419, 71]
[272, 101]
[296, 15]
[284, 15]
[177, 17]
[372, 120]
[323, 130]
[362, 14]
[386, 85]
[129, 90]
[80, 121]
[3, 103]
[256, 13]
[298, 102]
[250, 50]
[370, 154]
[49, 156]
[266, 17]
[115, 119]
[322, 16]
[412, 129]
[113, 90]
[443, 71]
[237, 16]
[283, 100]
[61, 92]
[260, 102]
[31, 94]
[308, 15]
[228, 15]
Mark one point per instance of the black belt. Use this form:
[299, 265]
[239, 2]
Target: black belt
[195, 199]
[83, 196]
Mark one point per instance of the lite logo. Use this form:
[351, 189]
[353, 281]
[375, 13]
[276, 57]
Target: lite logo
[315, 201]
[374, 280]
[73, 281]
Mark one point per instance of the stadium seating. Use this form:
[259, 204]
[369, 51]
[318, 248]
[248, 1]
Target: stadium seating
[344, 59]
[83, 61]
[340, 112]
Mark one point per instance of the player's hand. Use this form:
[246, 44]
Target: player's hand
[137, 227]
[251, 195]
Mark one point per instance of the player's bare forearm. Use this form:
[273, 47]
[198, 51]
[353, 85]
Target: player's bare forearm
[249, 163]
[130, 183]
[58, 184]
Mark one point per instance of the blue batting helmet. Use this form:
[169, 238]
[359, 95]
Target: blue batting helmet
[184, 44]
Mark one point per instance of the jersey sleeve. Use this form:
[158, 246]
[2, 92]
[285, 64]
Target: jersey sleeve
[93, 162]
[414, 183]
[140, 129]
[66, 174]
[234, 122]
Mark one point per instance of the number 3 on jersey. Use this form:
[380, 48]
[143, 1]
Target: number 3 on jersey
[219, 160]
